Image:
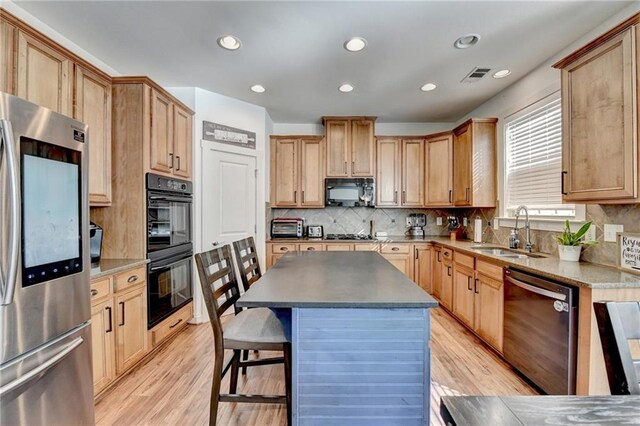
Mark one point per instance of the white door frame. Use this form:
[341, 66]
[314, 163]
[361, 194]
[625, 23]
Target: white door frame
[199, 309]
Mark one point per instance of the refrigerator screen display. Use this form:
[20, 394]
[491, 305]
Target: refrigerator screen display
[51, 225]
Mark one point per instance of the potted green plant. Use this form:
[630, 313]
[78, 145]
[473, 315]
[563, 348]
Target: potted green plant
[570, 243]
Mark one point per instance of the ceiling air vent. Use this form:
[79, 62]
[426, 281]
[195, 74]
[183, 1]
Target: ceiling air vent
[476, 74]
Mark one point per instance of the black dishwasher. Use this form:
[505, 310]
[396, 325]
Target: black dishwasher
[540, 330]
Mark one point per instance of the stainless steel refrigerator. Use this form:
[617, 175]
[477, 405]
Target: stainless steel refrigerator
[45, 353]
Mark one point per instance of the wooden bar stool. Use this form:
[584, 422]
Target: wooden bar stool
[619, 327]
[249, 329]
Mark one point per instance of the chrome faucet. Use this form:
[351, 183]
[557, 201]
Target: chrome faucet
[528, 245]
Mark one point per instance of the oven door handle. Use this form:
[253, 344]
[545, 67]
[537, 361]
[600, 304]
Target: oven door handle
[170, 198]
[164, 266]
[537, 290]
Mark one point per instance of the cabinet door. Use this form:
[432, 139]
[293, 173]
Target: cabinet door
[103, 345]
[93, 107]
[337, 133]
[272, 259]
[446, 292]
[44, 75]
[339, 247]
[489, 310]
[403, 262]
[131, 327]
[182, 142]
[284, 172]
[311, 173]
[388, 181]
[599, 140]
[161, 150]
[362, 148]
[462, 160]
[412, 172]
[439, 171]
[463, 294]
[7, 58]
[422, 267]
[437, 273]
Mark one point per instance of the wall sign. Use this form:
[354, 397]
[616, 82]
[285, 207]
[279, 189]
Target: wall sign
[230, 135]
[629, 252]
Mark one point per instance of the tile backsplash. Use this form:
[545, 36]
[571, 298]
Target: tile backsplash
[355, 220]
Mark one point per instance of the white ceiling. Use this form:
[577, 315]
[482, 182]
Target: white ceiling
[295, 49]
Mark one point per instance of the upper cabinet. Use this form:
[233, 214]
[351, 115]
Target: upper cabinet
[39, 70]
[412, 172]
[400, 172]
[350, 146]
[439, 170]
[93, 107]
[182, 142]
[161, 148]
[297, 171]
[600, 153]
[388, 176]
[44, 74]
[474, 163]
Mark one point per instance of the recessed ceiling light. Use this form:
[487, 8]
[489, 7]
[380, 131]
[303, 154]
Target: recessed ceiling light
[229, 42]
[258, 88]
[345, 88]
[466, 41]
[428, 87]
[501, 73]
[355, 44]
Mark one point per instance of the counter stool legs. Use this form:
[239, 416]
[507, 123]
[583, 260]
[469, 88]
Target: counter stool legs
[287, 380]
[245, 356]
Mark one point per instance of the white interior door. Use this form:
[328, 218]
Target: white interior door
[228, 197]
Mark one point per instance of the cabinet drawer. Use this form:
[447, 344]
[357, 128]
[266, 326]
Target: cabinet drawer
[339, 247]
[100, 288]
[282, 248]
[367, 247]
[489, 270]
[171, 325]
[395, 248]
[464, 259]
[130, 278]
[311, 247]
[447, 254]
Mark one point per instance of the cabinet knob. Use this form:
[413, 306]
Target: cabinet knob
[132, 279]
[94, 292]
[284, 249]
[395, 248]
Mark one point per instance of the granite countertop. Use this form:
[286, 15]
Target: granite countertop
[317, 280]
[583, 274]
[113, 266]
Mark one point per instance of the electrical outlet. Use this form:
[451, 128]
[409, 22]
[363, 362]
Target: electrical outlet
[439, 220]
[590, 235]
[465, 221]
[610, 232]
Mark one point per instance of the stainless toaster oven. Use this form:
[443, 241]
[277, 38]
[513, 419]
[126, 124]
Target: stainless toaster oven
[287, 227]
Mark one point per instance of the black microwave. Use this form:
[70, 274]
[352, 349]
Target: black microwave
[355, 192]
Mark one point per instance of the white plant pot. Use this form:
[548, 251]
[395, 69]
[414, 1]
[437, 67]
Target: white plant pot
[569, 253]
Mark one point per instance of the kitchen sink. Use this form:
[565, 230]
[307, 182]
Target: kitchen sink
[505, 252]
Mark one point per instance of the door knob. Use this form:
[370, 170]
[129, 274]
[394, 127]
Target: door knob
[215, 243]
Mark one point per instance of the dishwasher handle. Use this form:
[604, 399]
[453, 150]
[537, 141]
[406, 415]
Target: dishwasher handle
[537, 290]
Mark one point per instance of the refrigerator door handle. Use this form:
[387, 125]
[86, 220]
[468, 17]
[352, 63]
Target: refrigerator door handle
[42, 368]
[8, 284]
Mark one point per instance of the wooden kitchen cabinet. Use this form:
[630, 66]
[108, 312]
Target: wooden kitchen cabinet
[388, 173]
[182, 142]
[446, 288]
[44, 75]
[7, 57]
[439, 170]
[474, 160]
[103, 345]
[131, 327]
[161, 146]
[423, 267]
[350, 146]
[412, 173]
[297, 176]
[437, 272]
[600, 117]
[339, 247]
[489, 310]
[463, 293]
[93, 107]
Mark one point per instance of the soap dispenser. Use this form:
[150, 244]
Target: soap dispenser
[513, 239]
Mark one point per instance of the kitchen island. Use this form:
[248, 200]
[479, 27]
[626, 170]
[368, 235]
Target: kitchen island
[359, 331]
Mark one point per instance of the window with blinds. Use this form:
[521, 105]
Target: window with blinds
[533, 150]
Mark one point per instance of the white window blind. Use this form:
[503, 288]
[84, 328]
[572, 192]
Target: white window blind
[534, 162]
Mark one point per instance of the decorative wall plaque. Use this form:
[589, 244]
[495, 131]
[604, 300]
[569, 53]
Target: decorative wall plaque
[230, 135]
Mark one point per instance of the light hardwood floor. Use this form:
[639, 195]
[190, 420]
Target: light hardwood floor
[173, 387]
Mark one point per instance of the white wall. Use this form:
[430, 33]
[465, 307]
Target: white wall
[209, 106]
[382, 129]
[541, 82]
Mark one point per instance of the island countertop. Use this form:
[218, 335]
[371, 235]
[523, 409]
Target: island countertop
[335, 280]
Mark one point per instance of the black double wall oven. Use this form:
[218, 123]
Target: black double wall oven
[169, 246]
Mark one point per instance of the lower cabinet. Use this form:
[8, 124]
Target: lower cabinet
[489, 304]
[446, 290]
[118, 325]
[423, 267]
[463, 294]
[436, 274]
[171, 325]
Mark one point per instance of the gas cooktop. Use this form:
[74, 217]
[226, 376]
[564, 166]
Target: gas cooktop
[348, 237]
